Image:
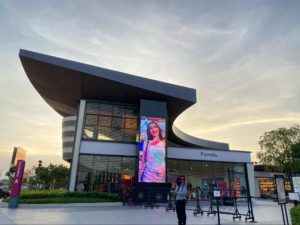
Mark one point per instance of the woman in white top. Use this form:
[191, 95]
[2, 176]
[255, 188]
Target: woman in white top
[153, 162]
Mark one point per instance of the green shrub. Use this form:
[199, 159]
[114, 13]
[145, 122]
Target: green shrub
[63, 196]
[42, 194]
[295, 215]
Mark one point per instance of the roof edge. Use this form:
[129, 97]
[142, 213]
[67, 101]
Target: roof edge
[180, 92]
[199, 141]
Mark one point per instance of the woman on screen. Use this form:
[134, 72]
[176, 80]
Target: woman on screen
[152, 164]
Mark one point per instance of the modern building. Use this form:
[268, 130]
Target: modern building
[106, 117]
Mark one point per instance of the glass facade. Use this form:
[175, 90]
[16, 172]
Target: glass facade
[228, 177]
[110, 122]
[112, 173]
[105, 173]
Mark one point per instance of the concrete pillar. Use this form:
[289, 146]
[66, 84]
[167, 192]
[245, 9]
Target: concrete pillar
[76, 148]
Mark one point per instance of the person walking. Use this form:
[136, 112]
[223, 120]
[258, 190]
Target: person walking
[180, 192]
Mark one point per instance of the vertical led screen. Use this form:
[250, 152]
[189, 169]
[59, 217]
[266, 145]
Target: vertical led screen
[152, 150]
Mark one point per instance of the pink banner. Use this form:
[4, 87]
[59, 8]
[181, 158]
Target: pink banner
[18, 177]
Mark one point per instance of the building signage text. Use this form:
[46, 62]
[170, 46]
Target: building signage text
[208, 154]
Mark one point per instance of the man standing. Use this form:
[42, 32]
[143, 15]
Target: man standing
[180, 192]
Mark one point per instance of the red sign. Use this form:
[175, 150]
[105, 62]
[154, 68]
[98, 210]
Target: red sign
[18, 177]
[222, 185]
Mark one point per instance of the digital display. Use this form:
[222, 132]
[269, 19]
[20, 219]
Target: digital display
[152, 150]
[279, 180]
[296, 184]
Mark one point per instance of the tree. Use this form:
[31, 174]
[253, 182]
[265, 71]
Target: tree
[10, 174]
[295, 148]
[52, 176]
[42, 177]
[59, 176]
[276, 148]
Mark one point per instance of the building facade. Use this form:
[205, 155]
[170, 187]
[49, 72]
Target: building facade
[107, 136]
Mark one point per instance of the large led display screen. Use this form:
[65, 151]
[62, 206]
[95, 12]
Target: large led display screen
[152, 150]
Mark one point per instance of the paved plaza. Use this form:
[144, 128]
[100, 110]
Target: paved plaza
[266, 212]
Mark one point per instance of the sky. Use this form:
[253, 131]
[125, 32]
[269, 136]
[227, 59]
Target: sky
[242, 57]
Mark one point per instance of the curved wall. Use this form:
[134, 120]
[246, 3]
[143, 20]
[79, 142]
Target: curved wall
[199, 142]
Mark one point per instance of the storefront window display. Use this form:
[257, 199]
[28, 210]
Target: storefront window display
[105, 173]
[267, 187]
[112, 174]
[204, 176]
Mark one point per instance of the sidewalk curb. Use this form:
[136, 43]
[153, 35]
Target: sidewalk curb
[64, 205]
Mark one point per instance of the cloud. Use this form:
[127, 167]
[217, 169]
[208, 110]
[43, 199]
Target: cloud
[293, 118]
[241, 56]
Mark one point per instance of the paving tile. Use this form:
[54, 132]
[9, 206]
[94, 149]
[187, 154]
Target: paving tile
[266, 212]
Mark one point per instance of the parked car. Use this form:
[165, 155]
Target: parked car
[3, 194]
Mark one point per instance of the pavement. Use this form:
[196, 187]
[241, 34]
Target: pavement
[265, 212]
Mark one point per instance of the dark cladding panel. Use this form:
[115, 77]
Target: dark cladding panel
[153, 108]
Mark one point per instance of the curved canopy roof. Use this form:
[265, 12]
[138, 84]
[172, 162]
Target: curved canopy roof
[62, 83]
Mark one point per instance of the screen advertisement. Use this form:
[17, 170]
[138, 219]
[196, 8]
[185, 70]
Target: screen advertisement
[296, 184]
[152, 150]
[279, 180]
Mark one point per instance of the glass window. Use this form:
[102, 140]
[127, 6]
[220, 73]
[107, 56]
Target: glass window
[130, 135]
[114, 164]
[110, 122]
[131, 113]
[184, 167]
[128, 166]
[119, 111]
[207, 174]
[105, 109]
[92, 108]
[117, 134]
[196, 174]
[89, 132]
[91, 120]
[104, 133]
[108, 173]
[130, 123]
[118, 122]
[85, 171]
[172, 171]
[105, 173]
[100, 163]
[105, 121]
